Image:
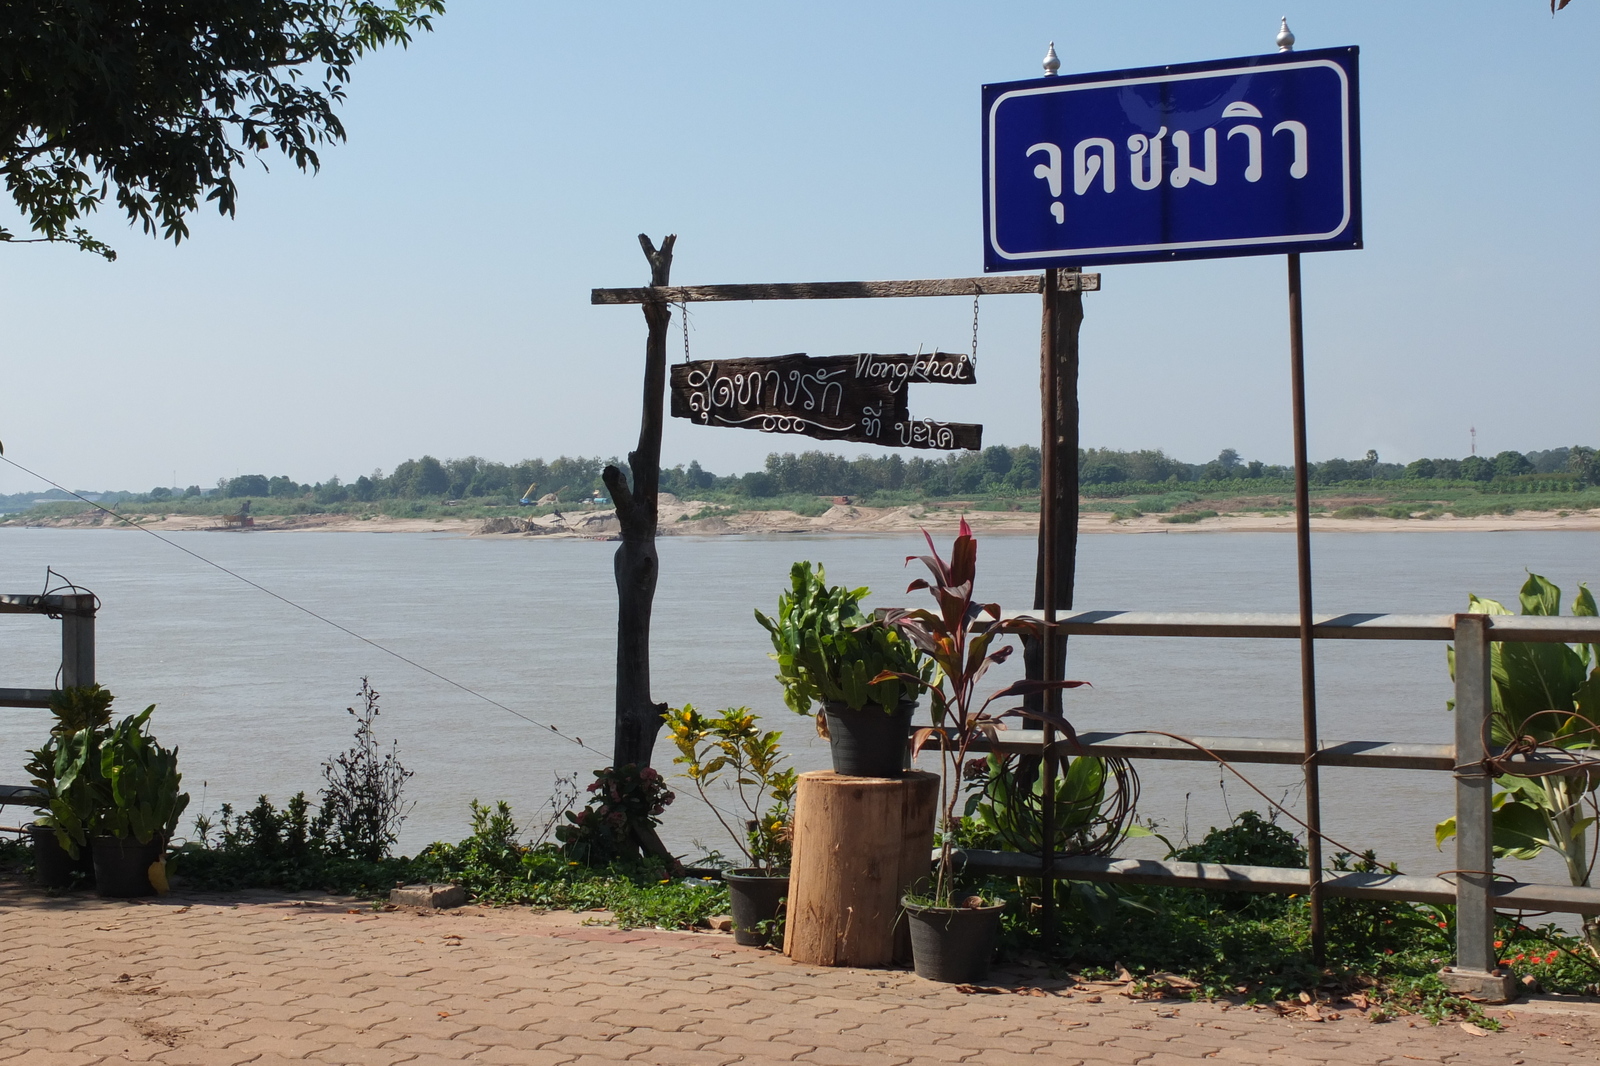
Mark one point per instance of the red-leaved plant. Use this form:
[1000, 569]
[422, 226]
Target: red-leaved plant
[963, 655]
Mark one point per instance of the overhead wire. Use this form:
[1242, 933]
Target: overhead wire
[308, 611]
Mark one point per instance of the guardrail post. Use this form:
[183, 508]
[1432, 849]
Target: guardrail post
[1475, 972]
[77, 640]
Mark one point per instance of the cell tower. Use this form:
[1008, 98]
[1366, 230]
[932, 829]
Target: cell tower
[1474, 431]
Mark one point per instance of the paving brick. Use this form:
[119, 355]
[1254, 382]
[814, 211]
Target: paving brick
[430, 1047]
[974, 1040]
[518, 1057]
[113, 1049]
[241, 982]
[348, 1055]
[288, 1047]
[34, 1056]
[662, 1056]
[755, 1049]
[668, 1040]
[624, 1017]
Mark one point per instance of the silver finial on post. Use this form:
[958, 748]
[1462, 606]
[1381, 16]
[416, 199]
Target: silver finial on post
[1285, 35]
[1052, 64]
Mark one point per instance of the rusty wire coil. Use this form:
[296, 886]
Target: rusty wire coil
[1091, 823]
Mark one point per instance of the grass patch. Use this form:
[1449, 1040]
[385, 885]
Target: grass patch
[1188, 517]
[1258, 947]
[710, 510]
[268, 848]
[804, 506]
[1359, 510]
[1168, 501]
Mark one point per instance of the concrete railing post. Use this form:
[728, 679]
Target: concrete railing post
[77, 640]
[1475, 972]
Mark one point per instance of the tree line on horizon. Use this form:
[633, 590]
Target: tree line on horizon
[996, 470]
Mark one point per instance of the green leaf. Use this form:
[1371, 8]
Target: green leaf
[1478, 605]
[1520, 831]
[1587, 697]
[1540, 596]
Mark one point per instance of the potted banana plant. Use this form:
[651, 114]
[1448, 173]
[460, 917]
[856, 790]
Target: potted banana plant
[862, 673]
[953, 935]
[725, 757]
[140, 807]
[64, 771]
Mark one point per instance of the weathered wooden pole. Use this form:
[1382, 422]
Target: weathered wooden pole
[1060, 421]
[638, 718]
[1056, 565]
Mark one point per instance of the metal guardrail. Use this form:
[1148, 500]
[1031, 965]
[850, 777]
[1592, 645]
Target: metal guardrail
[1475, 889]
[1370, 754]
[77, 613]
[1349, 626]
[1507, 895]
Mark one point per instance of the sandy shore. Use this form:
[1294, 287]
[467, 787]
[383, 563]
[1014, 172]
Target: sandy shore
[697, 518]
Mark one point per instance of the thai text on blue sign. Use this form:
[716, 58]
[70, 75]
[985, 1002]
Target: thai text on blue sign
[1244, 156]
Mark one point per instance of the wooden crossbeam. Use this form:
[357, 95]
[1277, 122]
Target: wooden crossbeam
[1004, 285]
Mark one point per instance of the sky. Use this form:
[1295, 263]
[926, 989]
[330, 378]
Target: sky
[428, 290]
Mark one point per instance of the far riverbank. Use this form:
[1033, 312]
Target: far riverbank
[699, 518]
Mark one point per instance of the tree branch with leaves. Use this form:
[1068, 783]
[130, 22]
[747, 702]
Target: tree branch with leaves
[152, 104]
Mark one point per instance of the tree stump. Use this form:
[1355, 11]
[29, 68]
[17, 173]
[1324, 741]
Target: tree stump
[860, 843]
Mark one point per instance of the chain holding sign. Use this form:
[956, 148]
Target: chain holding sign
[860, 398]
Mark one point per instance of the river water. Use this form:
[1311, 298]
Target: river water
[254, 692]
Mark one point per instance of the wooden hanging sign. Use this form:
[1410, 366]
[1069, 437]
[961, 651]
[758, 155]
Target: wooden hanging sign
[859, 398]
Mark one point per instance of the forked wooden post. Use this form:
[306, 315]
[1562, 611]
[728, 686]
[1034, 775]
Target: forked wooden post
[638, 718]
[1475, 972]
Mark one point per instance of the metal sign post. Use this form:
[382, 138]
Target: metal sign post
[1308, 655]
[1251, 156]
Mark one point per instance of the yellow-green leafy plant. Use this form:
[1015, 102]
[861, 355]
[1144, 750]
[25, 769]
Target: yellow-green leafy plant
[729, 755]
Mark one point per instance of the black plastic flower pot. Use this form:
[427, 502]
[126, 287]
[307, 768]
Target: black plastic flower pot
[122, 865]
[756, 898]
[953, 945]
[54, 866]
[870, 742]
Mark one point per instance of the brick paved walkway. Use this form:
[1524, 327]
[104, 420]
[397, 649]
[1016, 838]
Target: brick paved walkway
[262, 979]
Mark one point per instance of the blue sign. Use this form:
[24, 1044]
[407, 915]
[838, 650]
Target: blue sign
[1251, 156]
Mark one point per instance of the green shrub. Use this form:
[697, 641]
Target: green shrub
[624, 808]
[1188, 517]
[363, 804]
[828, 650]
